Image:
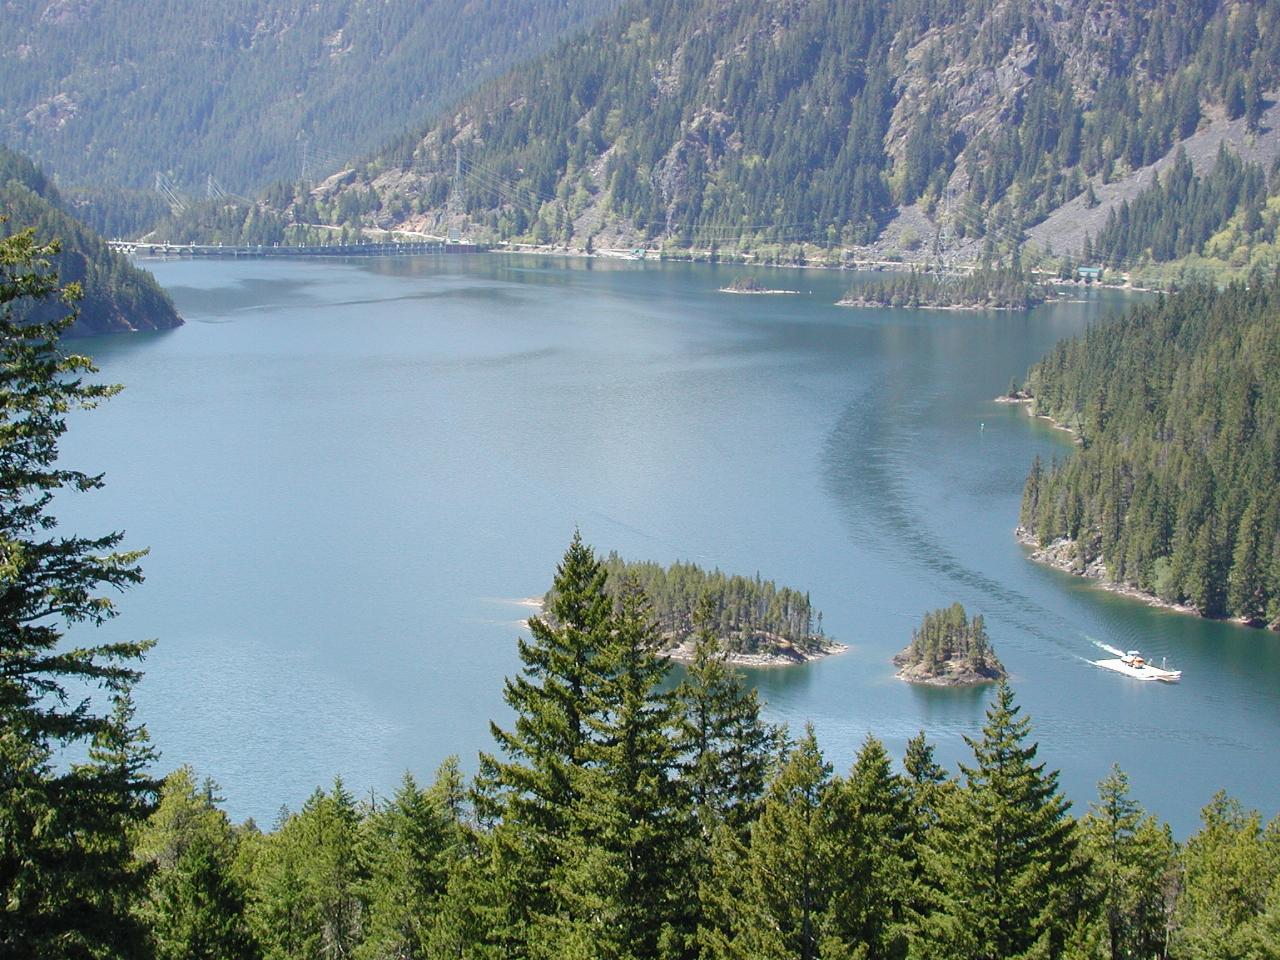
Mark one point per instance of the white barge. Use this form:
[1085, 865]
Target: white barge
[1133, 665]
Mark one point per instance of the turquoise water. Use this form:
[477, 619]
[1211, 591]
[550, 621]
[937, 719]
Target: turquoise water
[348, 472]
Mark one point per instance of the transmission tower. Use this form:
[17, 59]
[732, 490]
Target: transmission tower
[942, 240]
[453, 208]
[169, 190]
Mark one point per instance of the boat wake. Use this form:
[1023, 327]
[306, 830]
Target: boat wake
[1110, 649]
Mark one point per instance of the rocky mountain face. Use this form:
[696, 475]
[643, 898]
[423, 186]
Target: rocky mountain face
[230, 96]
[711, 123]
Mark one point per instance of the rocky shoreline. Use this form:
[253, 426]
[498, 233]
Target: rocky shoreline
[963, 307]
[954, 674]
[1061, 555]
[787, 654]
[1028, 402]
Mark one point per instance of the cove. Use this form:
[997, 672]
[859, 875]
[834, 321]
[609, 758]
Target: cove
[347, 472]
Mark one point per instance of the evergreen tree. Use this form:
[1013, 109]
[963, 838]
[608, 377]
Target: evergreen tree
[873, 836]
[1130, 859]
[1001, 862]
[67, 881]
[728, 749]
[1230, 877]
[925, 779]
[410, 847]
[619, 887]
[306, 879]
[198, 907]
[532, 794]
[771, 898]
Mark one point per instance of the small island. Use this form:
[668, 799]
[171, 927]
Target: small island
[759, 623]
[950, 650]
[748, 284]
[1000, 288]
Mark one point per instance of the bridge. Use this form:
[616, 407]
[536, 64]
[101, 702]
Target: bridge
[139, 248]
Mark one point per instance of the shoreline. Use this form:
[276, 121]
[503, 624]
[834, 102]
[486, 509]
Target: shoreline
[942, 683]
[962, 676]
[1055, 555]
[963, 307]
[1028, 403]
[683, 652]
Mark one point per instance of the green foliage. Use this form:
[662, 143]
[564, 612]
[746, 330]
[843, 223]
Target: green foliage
[248, 91]
[411, 847]
[306, 879]
[1001, 288]
[68, 879]
[1178, 214]
[730, 126]
[728, 748]
[1231, 869]
[1131, 873]
[115, 295]
[748, 615]
[1002, 870]
[947, 638]
[1178, 407]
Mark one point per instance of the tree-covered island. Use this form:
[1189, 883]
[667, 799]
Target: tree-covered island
[749, 284]
[950, 650]
[757, 622]
[988, 288]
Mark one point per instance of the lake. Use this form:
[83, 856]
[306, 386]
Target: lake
[349, 472]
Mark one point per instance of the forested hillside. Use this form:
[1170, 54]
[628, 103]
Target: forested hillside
[1176, 488]
[246, 91]
[1229, 216]
[712, 123]
[117, 296]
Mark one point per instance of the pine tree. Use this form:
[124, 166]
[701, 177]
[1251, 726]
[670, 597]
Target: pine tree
[306, 879]
[618, 885]
[874, 858]
[410, 847]
[770, 899]
[1246, 583]
[728, 749]
[925, 778]
[66, 881]
[1001, 862]
[1231, 872]
[1130, 860]
[532, 793]
[198, 907]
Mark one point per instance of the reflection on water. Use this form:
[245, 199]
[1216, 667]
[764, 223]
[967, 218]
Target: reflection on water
[339, 465]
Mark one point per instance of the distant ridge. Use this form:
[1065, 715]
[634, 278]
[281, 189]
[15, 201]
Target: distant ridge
[893, 127]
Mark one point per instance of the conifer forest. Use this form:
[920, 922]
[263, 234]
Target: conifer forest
[450, 273]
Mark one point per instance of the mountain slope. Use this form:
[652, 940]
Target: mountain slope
[248, 91]
[117, 296]
[710, 122]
